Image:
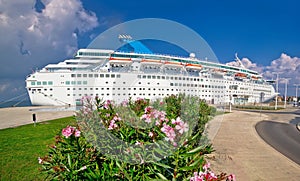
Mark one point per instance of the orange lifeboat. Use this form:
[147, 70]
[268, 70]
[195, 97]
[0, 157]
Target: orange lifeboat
[151, 62]
[193, 66]
[240, 75]
[220, 70]
[173, 64]
[119, 60]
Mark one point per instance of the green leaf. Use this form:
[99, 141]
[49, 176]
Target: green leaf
[161, 176]
[69, 160]
[196, 163]
[195, 136]
[195, 150]
[162, 165]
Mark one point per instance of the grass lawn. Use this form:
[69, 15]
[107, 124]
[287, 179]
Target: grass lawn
[20, 148]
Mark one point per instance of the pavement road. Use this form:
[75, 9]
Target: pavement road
[281, 133]
[284, 137]
[241, 150]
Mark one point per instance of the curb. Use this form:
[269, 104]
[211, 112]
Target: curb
[298, 126]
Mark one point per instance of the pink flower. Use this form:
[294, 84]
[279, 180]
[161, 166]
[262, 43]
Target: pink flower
[148, 109]
[150, 134]
[83, 168]
[137, 143]
[117, 118]
[139, 99]
[231, 177]
[146, 118]
[107, 104]
[206, 166]
[196, 177]
[40, 160]
[86, 99]
[112, 125]
[177, 121]
[169, 131]
[86, 110]
[68, 131]
[156, 114]
[174, 144]
[182, 127]
[124, 102]
[157, 123]
[77, 133]
[209, 176]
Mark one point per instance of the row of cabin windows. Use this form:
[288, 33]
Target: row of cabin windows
[171, 84]
[76, 82]
[154, 89]
[96, 75]
[196, 85]
[30, 89]
[42, 83]
[150, 77]
[141, 89]
[168, 77]
[93, 54]
[135, 94]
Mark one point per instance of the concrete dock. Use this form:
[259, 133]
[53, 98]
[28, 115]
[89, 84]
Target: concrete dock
[16, 116]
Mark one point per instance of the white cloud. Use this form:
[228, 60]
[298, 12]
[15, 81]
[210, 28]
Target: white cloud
[31, 38]
[11, 88]
[247, 63]
[285, 65]
[3, 87]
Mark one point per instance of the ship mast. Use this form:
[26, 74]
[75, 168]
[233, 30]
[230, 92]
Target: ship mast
[237, 59]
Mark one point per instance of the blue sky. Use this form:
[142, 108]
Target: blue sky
[38, 32]
[260, 30]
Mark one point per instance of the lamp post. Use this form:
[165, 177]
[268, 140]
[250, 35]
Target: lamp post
[296, 100]
[285, 90]
[276, 89]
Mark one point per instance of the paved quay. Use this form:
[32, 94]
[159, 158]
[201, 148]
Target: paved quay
[241, 151]
[16, 116]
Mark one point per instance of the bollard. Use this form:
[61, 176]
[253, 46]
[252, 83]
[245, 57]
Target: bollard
[34, 118]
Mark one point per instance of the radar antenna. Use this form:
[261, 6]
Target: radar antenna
[237, 59]
[124, 38]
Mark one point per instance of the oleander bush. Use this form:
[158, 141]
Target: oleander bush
[134, 140]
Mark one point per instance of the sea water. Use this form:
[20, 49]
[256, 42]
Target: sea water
[15, 104]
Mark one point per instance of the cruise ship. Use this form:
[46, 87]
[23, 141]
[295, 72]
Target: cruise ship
[136, 72]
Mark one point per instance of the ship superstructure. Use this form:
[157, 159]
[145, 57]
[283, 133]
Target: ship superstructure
[118, 75]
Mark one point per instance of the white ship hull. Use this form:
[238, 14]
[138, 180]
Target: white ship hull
[216, 91]
[97, 73]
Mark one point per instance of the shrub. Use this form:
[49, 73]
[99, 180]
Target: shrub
[134, 140]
